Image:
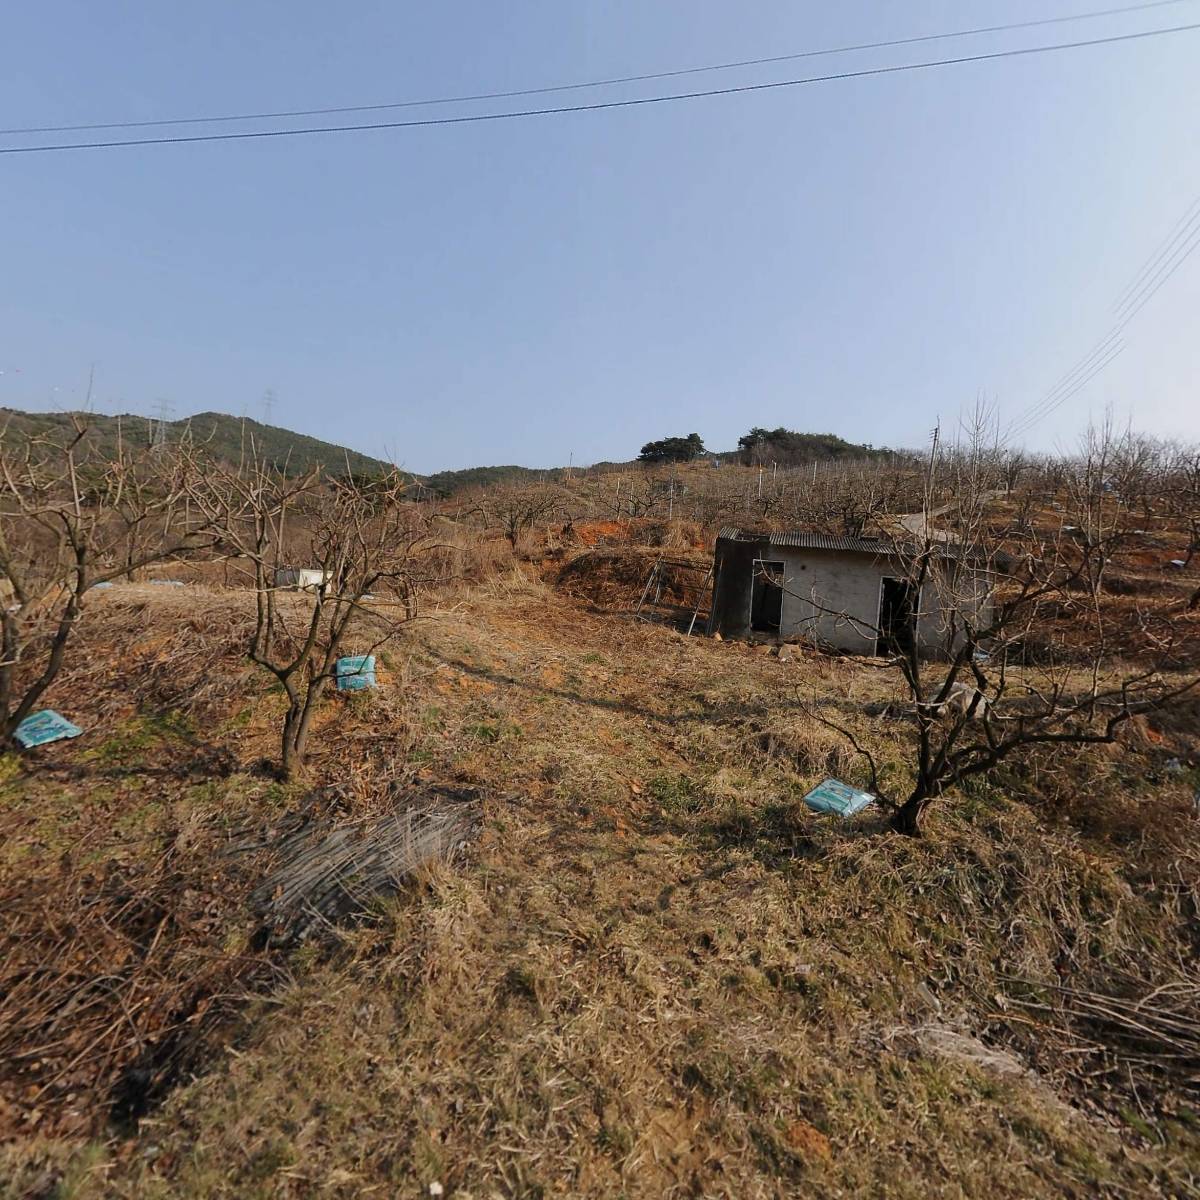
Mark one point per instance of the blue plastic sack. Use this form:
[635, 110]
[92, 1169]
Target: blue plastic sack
[834, 796]
[356, 672]
[46, 726]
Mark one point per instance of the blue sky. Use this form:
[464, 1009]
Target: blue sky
[858, 257]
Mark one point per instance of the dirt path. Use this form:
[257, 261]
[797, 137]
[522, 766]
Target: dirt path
[918, 523]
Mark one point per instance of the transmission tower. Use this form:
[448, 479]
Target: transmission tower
[163, 409]
[268, 403]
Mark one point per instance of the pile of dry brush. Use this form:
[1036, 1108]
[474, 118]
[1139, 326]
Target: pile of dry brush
[111, 982]
[116, 982]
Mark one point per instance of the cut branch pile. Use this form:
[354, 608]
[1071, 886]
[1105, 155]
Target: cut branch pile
[1155, 1035]
[110, 985]
[327, 872]
[114, 982]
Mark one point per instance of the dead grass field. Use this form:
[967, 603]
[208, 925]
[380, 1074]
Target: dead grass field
[655, 974]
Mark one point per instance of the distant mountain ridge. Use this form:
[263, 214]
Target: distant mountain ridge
[224, 437]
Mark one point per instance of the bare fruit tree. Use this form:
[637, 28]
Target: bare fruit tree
[1013, 643]
[1180, 497]
[517, 507]
[71, 518]
[326, 558]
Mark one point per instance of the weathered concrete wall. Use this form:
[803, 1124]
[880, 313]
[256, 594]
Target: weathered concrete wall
[832, 596]
[952, 593]
[734, 585]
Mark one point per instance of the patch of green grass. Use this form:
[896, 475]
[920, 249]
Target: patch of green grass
[136, 737]
[279, 795]
[239, 720]
[1137, 1122]
[53, 825]
[492, 732]
[679, 794]
[616, 1140]
[10, 770]
[305, 957]
[138, 820]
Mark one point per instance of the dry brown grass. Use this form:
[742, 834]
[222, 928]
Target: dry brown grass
[657, 974]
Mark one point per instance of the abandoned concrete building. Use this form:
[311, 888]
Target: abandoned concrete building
[846, 593]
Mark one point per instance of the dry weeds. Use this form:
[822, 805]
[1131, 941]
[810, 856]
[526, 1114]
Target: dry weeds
[657, 974]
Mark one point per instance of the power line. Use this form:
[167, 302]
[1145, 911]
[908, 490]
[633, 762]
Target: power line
[1180, 244]
[638, 102]
[1078, 386]
[1035, 410]
[1105, 351]
[594, 83]
[1138, 301]
[1187, 219]
[1082, 374]
[1049, 401]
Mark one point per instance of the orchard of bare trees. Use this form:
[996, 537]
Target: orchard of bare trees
[72, 522]
[1081, 635]
[1049, 632]
[234, 786]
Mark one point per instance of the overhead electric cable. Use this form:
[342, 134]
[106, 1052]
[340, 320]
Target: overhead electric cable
[1042, 406]
[476, 118]
[1188, 219]
[1180, 244]
[1084, 364]
[1138, 301]
[1116, 352]
[595, 83]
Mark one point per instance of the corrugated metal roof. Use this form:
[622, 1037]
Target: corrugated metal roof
[810, 541]
[855, 545]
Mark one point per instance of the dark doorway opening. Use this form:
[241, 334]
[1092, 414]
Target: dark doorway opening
[897, 617]
[766, 600]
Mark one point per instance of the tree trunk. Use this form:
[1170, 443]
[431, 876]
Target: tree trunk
[12, 717]
[304, 718]
[291, 754]
[907, 818]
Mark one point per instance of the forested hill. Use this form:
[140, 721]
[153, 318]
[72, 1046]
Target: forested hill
[224, 436]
